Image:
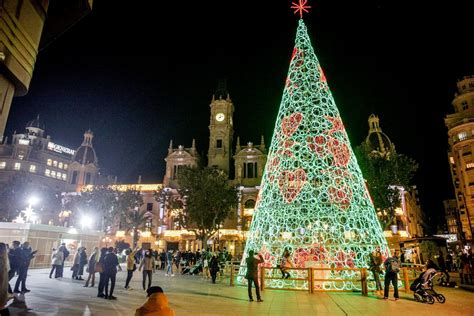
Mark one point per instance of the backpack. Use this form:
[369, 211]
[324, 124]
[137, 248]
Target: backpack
[393, 266]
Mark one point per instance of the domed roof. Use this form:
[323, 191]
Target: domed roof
[85, 154]
[36, 123]
[377, 140]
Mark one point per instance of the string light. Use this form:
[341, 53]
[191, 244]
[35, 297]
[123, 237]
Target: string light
[313, 199]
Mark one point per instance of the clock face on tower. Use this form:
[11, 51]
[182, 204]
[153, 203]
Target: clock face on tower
[220, 117]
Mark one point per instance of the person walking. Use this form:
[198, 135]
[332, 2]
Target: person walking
[110, 270]
[131, 266]
[66, 255]
[252, 274]
[26, 255]
[91, 267]
[148, 265]
[169, 262]
[162, 259]
[14, 257]
[374, 265]
[56, 261]
[392, 267]
[214, 267]
[4, 265]
[82, 263]
[156, 304]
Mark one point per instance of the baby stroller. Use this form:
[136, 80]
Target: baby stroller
[423, 288]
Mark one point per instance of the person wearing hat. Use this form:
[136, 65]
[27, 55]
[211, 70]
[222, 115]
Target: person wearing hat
[156, 304]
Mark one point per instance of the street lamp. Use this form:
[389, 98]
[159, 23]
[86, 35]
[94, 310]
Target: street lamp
[28, 212]
[86, 222]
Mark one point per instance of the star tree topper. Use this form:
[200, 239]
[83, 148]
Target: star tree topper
[300, 7]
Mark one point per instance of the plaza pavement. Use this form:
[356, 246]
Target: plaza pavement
[193, 295]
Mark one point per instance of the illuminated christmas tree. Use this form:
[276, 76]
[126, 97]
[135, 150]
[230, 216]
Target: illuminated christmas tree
[313, 199]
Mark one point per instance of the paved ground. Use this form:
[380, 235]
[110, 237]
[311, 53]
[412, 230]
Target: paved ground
[192, 295]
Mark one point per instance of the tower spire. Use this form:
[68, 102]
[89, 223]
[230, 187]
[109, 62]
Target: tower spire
[237, 147]
[170, 148]
[262, 143]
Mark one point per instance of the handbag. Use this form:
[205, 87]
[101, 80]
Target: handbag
[99, 267]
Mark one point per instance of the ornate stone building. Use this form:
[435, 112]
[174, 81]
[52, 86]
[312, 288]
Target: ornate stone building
[409, 216]
[245, 169]
[460, 126]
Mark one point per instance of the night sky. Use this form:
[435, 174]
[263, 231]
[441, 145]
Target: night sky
[140, 76]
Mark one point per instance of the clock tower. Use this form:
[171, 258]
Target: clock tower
[221, 129]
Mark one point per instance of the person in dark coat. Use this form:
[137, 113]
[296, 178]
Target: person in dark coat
[66, 254]
[26, 255]
[214, 267]
[14, 257]
[252, 274]
[110, 270]
[82, 263]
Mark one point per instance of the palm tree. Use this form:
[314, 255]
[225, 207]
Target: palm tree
[134, 220]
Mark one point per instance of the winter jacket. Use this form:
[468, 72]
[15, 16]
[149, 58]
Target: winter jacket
[110, 263]
[252, 267]
[148, 264]
[155, 305]
[57, 258]
[131, 260]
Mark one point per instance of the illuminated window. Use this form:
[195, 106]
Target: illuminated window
[470, 165]
[53, 174]
[451, 160]
[3, 164]
[58, 175]
[60, 165]
[462, 136]
[47, 172]
[55, 163]
[21, 157]
[64, 176]
[65, 166]
[32, 168]
[49, 162]
[17, 166]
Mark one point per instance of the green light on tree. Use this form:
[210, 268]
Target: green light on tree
[313, 199]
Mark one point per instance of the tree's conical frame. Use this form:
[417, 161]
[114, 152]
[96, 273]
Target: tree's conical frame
[313, 199]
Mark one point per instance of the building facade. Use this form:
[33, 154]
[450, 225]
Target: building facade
[409, 217]
[45, 167]
[453, 222]
[245, 169]
[460, 125]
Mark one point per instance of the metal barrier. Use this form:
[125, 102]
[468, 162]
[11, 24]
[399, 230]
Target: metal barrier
[407, 274]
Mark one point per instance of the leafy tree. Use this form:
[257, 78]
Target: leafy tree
[384, 175]
[207, 199]
[102, 201]
[131, 218]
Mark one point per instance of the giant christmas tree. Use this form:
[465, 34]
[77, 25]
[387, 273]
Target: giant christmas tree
[313, 199]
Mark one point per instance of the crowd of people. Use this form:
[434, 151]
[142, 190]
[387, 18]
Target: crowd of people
[15, 260]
